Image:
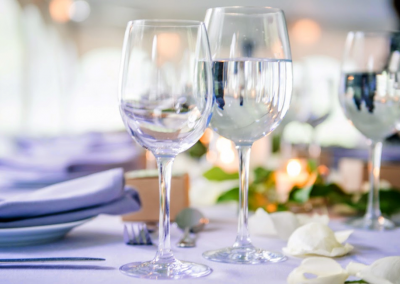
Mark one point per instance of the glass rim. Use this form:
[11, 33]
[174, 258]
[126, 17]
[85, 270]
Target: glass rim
[241, 10]
[167, 23]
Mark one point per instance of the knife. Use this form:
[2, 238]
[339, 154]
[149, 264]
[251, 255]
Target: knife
[51, 259]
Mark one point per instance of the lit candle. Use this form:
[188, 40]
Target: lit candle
[295, 174]
[224, 155]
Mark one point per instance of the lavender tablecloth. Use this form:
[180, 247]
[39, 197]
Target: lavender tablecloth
[102, 237]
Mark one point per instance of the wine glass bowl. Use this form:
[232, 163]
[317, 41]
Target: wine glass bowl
[253, 98]
[314, 90]
[370, 98]
[252, 74]
[164, 103]
[166, 100]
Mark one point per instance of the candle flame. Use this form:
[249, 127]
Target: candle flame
[293, 167]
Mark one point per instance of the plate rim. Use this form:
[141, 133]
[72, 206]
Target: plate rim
[50, 226]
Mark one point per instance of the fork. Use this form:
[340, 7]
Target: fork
[137, 235]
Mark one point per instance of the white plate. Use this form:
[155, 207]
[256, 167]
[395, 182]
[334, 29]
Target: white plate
[36, 235]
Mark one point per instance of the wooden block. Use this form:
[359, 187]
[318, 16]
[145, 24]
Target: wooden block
[389, 172]
[146, 183]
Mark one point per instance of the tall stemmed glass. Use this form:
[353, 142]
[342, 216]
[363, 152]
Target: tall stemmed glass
[166, 100]
[370, 98]
[252, 72]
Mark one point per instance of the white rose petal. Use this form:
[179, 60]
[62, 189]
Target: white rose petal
[383, 271]
[305, 219]
[282, 224]
[342, 236]
[261, 224]
[326, 270]
[285, 223]
[316, 239]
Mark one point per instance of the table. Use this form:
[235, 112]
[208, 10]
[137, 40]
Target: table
[102, 237]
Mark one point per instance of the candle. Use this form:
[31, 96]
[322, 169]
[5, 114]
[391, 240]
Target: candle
[223, 154]
[295, 174]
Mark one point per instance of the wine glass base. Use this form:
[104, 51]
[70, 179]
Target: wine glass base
[171, 270]
[240, 255]
[379, 224]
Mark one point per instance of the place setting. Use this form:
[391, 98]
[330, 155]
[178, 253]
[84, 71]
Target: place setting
[233, 145]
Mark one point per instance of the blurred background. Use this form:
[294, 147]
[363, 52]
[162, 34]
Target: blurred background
[59, 69]
[60, 60]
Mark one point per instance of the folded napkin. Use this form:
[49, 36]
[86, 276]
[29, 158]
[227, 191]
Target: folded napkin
[81, 198]
[50, 160]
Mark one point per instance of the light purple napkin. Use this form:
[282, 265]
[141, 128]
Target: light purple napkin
[45, 161]
[101, 193]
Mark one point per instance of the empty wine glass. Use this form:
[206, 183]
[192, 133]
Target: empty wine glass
[252, 72]
[166, 99]
[313, 93]
[370, 98]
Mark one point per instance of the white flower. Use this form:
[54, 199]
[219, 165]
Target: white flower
[326, 270]
[383, 271]
[317, 239]
[261, 224]
[282, 224]
[321, 270]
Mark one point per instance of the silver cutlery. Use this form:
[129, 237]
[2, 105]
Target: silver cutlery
[137, 235]
[191, 221]
[50, 259]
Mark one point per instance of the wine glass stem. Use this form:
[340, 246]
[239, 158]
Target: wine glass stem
[314, 150]
[243, 238]
[374, 165]
[164, 253]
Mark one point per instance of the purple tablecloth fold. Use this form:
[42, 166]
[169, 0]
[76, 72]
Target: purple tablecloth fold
[81, 198]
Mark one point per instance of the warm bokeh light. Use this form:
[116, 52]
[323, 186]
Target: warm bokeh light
[168, 45]
[207, 136]
[60, 10]
[323, 170]
[306, 31]
[151, 162]
[225, 150]
[227, 156]
[293, 167]
[223, 144]
[211, 157]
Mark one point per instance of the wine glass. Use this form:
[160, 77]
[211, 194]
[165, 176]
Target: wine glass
[313, 93]
[370, 98]
[252, 73]
[166, 99]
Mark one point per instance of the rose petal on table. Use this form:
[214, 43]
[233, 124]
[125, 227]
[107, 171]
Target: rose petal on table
[342, 236]
[282, 223]
[261, 224]
[324, 271]
[315, 239]
[383, 271]
[285, 223]
[306, 218]
[353, 268]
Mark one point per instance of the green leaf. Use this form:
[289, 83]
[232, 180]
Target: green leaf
[355, 281]
[276, 143]
[230, 195]
[389, 201]
[282, 207]
[197, 150]
[261, 175]
[300, 195]
[218, 174]
[312, 165]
